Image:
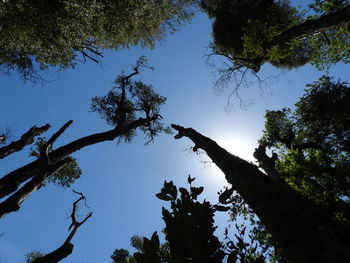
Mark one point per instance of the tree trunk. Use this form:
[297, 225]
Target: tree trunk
[305, 232]
[310, 27]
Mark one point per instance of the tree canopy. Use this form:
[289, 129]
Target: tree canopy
[296, 196]
[250, 33]
[312, 143]
[36, 35]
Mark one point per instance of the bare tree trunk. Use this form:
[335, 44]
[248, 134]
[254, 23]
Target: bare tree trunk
[305, 232]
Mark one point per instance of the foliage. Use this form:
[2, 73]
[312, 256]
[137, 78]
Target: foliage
[240, 29]
[121, 256]
[35, 35]
[246, 33]
[129, 100]
[313, 142]
[189, 232]
[31, 256]
[65, 176]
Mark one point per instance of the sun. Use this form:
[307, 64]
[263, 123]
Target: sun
[237, 146]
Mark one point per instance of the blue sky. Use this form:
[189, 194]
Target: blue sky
[120, 181]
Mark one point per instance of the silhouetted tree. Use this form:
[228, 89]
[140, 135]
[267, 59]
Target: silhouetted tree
[189, 232]
[302, 195]
[129, 106]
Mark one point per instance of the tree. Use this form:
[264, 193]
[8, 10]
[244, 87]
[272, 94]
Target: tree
[302, 195]
[313, 144]
[121, 256]
[132, 105]
[189, 232]
[36, 35]
[250, 33]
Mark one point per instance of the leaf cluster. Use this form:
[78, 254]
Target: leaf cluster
[189, 232]
[313, 142]
[65, 176]
[129, 101]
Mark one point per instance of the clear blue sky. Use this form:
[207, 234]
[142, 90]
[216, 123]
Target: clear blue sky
[120, 181]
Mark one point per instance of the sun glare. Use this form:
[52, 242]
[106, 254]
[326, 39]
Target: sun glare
[237, 146]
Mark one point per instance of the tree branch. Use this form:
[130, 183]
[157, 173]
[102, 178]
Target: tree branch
[12, 203]
[44, 154]
[266, 163]
[67, 247]
[321, 24]
[10, 182]
[26, 139]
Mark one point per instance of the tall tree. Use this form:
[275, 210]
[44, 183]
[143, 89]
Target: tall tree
[302, 195]
[35, 35]
[250, 33]
[129, 106]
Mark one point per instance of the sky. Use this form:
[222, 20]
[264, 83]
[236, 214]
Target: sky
[120, 180]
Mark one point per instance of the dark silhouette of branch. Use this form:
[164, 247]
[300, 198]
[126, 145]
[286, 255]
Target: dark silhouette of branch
[307, 145]
[44, 154]
[26, 139]
[10, 182]
[67, 247]
[12, 203]
[266, 163]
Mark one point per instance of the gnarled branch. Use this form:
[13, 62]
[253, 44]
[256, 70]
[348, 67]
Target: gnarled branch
[67, 247]
[26, 139]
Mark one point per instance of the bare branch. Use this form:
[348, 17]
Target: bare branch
[67, 247]
[44, 154]
[26, 139]
[10, 182]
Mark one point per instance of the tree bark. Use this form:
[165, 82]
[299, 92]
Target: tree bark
[310, 27]
[305, 232]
